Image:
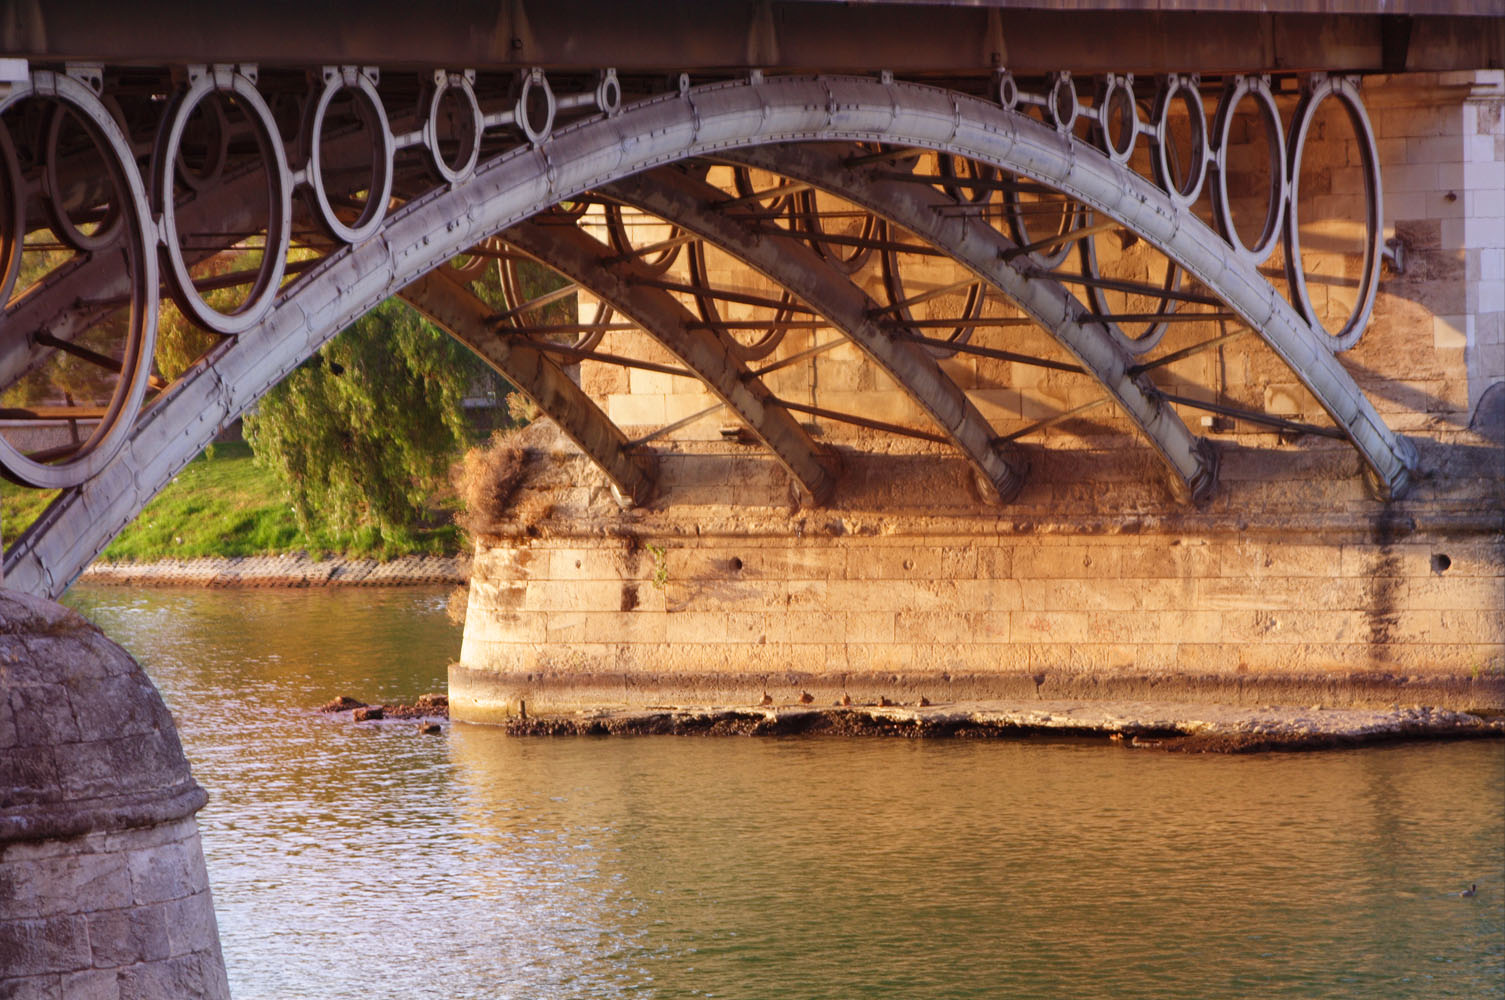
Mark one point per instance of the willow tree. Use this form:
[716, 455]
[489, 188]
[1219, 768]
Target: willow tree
[363, 433]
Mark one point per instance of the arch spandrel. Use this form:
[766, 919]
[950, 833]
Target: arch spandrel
[595, 151]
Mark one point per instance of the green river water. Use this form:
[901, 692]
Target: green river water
[371, 861]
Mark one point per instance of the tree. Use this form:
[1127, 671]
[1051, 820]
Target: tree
[363, 433]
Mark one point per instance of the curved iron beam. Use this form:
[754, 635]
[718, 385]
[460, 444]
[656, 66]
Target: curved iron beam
[982, 249]
[590, 153]
[689, 203]
[598, 267]
[465, 317]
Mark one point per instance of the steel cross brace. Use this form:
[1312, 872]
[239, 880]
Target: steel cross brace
[675, 197]
[464, 316]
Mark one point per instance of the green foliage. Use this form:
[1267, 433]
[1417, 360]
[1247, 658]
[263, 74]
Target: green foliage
[660, 577]
[362, 434]
[223, 504]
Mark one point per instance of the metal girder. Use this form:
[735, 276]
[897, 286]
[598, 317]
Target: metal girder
[960, 36]
[598, 267]
[457, 310]
[983, 250]
[689, 203]
[528, 178]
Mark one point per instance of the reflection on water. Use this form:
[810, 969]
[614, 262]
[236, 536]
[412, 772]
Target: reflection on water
[352, 861]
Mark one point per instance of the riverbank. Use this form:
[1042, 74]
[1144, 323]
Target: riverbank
[286, 570]
[1167, 726]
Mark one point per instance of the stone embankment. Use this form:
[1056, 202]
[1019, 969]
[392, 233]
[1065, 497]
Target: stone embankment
[1150, 725]
[291, 570]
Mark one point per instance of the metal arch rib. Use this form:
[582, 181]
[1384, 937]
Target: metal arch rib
[585, 259]
[595, 151]
[678, 198]
[1191, 460]
[464, 317]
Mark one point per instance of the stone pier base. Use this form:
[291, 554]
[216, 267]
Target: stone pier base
[1295, 587]
[103, 892]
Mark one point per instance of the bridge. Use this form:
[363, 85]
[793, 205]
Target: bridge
[979, 237]
[294, 177]
[918, 351]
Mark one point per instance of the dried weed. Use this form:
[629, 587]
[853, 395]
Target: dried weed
[455, 607]
[486, 478]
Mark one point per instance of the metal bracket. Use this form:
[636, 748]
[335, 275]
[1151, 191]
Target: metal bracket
[90, 74]
[1394, 254]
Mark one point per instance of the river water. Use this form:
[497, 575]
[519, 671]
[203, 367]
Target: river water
[372, 861]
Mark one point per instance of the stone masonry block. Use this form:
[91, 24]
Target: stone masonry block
[128, 936]
[191, 925]
[626, 627]
[49, 987]
[989, 594]
[869, 627]
[165, 873]
[807, 627]
[92, 984]
[1067, 562]
[728, 627]
[54, 886]
[46, 945]
[932, 626]
[1050, 626]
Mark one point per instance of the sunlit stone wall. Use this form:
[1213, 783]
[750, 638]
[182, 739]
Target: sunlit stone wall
[1291, 582]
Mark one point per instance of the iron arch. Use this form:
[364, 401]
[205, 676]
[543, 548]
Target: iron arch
[595, 151]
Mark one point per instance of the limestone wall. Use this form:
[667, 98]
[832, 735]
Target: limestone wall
[1292, 582]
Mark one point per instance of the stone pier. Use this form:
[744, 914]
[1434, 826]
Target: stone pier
[103, 892]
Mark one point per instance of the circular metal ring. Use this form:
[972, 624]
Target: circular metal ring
[950, 167]
[92, 455]
[461, 84]
[1062, 92]
[219, 153]
[1347, 94]
[1014, 210]
[706, 306]
[62, 225]
[1258, 89]
[775, 206]
[893, 286]
[1120, 89]
[1183, 88]
[538, 133]
[616, 230]
[279, 203]
[589, 339]
[475, 261]
[368, 108]
[12, 216]
[1097, 299]
[512, 294]
[609, 94]
[1006, 90]
[807, 220]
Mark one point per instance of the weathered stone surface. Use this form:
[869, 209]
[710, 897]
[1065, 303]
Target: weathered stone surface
[93, 745]
[103, 891]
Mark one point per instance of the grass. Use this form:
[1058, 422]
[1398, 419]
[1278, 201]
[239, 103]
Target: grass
[223, 504]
